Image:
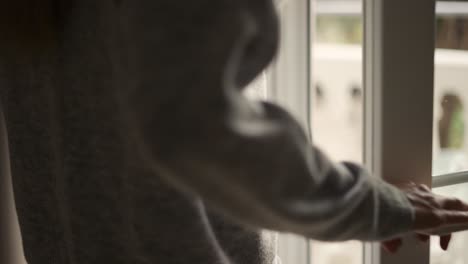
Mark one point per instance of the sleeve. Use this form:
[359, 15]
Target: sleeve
[253, 162]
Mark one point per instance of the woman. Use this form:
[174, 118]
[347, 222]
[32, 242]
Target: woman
[126, 122]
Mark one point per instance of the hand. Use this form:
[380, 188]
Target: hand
[432, 212]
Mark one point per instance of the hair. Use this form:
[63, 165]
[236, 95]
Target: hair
[27, 26]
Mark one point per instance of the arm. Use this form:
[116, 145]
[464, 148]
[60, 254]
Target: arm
[253, 162]
[250, 160]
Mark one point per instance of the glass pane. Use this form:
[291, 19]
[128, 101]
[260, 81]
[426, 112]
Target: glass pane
[457, 253]
[337, 96]
[450, 153]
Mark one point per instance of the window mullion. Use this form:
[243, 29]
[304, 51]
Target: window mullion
[399, 56]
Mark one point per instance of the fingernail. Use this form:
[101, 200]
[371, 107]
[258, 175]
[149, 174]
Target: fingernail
[444, 246]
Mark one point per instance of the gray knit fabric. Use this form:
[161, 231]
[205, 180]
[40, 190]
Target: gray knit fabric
[131, 124]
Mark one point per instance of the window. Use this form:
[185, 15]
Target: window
[397, 100]
[407, 92]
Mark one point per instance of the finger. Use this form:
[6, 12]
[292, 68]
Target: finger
[439, 221]
[424, 188]
[445, 242]
[454, 204]
[453, 217]
[393, 245]
[423, 237]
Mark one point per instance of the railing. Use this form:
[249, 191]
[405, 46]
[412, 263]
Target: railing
[449, 179]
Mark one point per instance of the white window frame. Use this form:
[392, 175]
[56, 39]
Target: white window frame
[399, 83]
